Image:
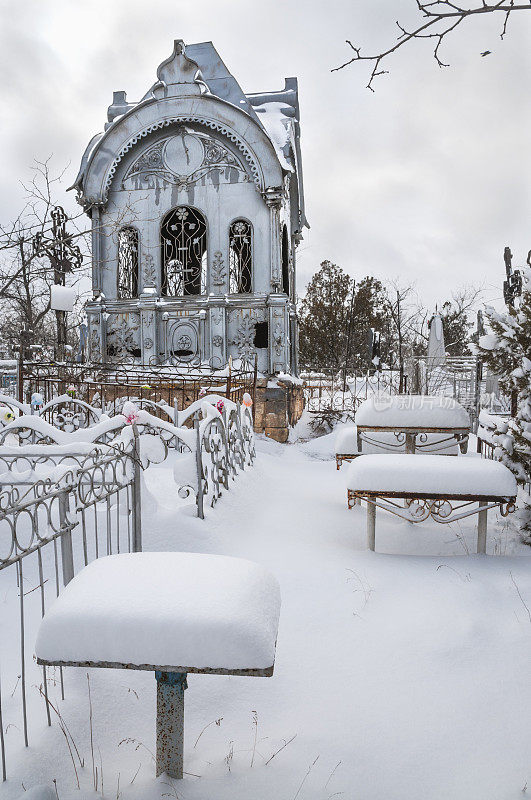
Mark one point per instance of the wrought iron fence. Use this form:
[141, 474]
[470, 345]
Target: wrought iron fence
[88, 480]
[462, 378]
[37, 519]
[331, 391]
[105, 386]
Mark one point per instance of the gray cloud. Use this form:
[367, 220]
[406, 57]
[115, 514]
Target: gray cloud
[428, 178]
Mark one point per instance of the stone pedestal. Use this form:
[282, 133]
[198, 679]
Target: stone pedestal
[277, 408]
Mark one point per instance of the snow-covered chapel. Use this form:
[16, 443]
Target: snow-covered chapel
[196, 200]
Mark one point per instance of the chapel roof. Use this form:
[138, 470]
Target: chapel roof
[201, 68]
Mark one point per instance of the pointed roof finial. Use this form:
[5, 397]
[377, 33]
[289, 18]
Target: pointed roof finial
[179, 74]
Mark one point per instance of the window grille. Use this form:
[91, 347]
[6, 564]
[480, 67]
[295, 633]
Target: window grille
[184, 252]
[241, 257]
[127, 263]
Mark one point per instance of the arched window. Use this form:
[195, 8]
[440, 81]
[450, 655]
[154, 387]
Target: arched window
[183, 252]
[241, 257]
[127, 263]
[285, 260]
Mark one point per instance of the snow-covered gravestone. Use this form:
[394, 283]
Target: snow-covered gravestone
[172, 613]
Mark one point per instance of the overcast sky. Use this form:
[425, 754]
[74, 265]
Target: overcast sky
[427, 179]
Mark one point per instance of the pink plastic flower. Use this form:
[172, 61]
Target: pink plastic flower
[202, 391]
[130, 412]
[219, 405]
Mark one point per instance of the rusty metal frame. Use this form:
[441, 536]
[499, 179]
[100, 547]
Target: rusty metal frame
[408, 435]
[431, 504]
[340, 457]
[252, 673]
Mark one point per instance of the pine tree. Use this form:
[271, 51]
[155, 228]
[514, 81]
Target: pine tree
[507, 353]
[324, 314]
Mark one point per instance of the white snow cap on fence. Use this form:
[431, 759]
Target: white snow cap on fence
[412, 410]
[165, 609]
[62, 298]
[431, 475]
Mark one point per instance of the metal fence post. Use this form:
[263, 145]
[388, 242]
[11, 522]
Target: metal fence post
[136, 496]
[67, 553]
[199, 467]
[176, 420]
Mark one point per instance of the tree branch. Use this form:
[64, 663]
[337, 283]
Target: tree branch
[441, 18]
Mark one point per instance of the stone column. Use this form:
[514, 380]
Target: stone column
[218, 337]
[97, 234]
[148, 331]
[273, 198]
[278, 334]
[96, 317]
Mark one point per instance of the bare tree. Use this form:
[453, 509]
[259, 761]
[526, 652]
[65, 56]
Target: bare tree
[404, 315]
[30, 259]
[25, 275]
[439, 18]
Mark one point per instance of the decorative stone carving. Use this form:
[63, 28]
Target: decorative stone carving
[123, 337]
[217, 340]
[149, 273]
[218, 270]
[244, 338]
[278, 338]
[184, 159]
[95, 346]
[148, 343]
[179, 74]
[184, 340]
[207, 123]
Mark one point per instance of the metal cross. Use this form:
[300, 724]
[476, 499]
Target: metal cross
[512, 286]
[63, 256]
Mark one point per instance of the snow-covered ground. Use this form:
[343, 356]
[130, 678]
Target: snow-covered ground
[400, 675]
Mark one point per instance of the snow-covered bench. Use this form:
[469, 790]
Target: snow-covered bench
[172, 613]
[429, 486]
[348, 446]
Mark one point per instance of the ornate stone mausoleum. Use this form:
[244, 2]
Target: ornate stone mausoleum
[196, 200]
